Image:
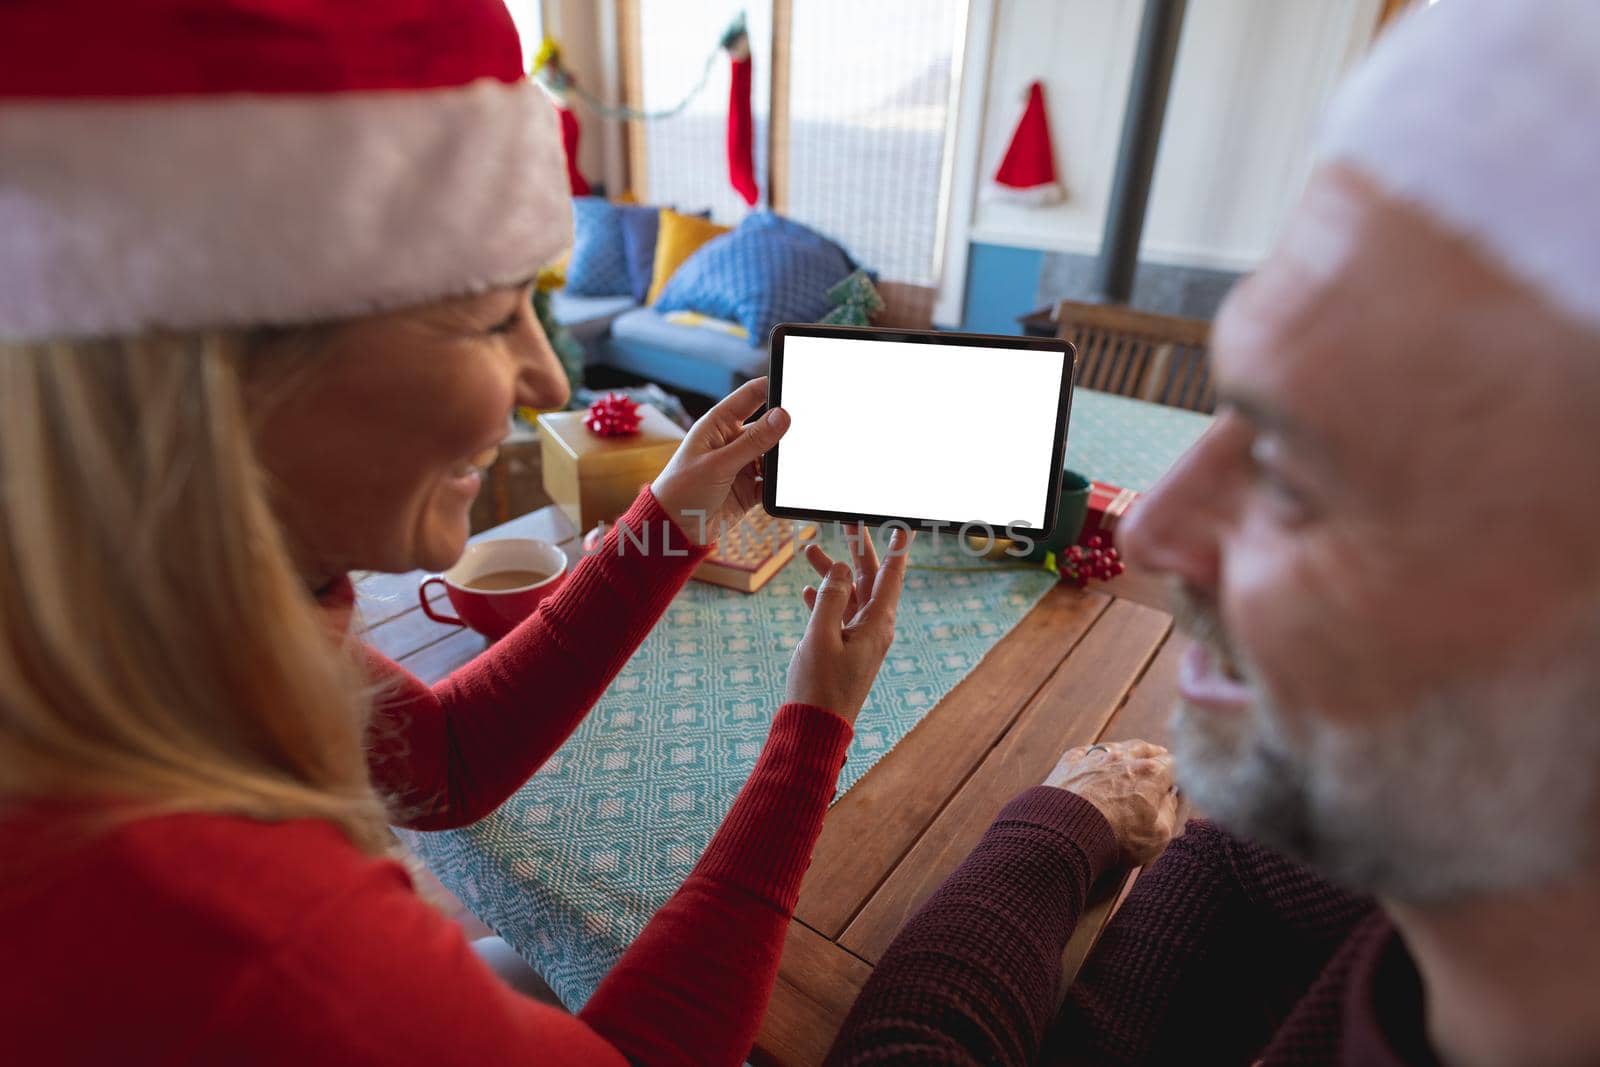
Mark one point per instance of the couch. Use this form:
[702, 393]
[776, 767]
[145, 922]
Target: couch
[617, 333]
[686, 303]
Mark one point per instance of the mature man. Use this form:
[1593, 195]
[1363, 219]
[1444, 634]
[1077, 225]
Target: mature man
[1387, 549]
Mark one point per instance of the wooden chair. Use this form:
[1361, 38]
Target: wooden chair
[1159, 358]
[906, 306]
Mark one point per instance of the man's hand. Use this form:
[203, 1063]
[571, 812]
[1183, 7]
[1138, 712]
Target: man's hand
[715, 475]
[1131, 783]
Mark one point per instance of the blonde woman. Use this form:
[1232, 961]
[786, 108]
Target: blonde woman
[263, 316]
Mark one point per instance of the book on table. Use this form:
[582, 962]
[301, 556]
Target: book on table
[755, 549]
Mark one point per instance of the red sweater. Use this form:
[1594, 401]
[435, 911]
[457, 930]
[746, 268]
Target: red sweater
[213, 939]
[1223, 953]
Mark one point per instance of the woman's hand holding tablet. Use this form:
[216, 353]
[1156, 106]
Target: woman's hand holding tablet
[925, 429]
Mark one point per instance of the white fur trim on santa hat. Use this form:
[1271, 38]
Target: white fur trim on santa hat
[1031, 196]
[1484, 114]
[186, 213]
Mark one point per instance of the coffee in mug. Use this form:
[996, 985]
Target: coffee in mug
[496, 584]
[502, 581]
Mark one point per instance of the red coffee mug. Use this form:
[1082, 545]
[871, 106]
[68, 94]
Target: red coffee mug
[490, 585]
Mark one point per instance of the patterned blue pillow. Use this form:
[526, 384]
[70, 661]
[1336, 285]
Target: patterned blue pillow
[599, 265]
[640, 226]
[766, 220]
[769, 270]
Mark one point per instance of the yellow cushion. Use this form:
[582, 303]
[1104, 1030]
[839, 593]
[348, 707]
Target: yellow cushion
[554, 274]
[676, 240]
[694, 318]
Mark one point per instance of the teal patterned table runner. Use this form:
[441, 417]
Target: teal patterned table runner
[1127, 443]
[570, 868]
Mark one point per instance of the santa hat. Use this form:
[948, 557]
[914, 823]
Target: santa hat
[1027, 172]
[185, 164]
[1483, 114]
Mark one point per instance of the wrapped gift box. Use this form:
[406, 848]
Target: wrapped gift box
[1107, 505]
[593, 478]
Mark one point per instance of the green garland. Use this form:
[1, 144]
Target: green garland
[549, 72]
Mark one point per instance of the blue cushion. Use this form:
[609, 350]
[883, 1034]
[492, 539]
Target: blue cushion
[587, 318]
[769, 270]
[599, 265]
[640, 224]
[648, 327]
[766, 220]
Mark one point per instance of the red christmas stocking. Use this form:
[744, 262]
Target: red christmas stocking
[741, 132]
[569, 141]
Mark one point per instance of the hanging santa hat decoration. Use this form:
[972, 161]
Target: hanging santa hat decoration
[1027, 173]
[195, 164]
[741, 126]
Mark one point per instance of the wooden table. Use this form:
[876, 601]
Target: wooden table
[1081, 667]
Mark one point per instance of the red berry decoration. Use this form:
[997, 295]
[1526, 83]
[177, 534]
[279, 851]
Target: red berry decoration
[1098, 560]
[613, 415]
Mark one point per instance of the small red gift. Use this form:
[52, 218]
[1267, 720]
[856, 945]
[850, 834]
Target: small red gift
[1107, 505]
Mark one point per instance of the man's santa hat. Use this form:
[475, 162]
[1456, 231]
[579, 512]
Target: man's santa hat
[1483, 114]
[1027, 171]
[184, 164]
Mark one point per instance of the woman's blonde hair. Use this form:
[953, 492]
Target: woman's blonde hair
[157, 647]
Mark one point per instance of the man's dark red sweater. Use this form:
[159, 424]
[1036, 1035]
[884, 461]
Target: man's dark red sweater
[1223, 953]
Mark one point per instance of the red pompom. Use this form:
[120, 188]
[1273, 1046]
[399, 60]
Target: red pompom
[613, 415]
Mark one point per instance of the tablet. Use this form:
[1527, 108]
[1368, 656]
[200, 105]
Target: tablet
[929, 429]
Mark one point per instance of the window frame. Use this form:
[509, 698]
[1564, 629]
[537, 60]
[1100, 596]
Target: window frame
[628, 21]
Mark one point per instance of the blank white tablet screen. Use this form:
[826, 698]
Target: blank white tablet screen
[941, 432]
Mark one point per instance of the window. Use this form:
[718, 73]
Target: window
[687, 155]
[869, 93]
[867, 101]
[530, 27]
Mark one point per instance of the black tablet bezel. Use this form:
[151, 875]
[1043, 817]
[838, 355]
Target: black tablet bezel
[770, 465]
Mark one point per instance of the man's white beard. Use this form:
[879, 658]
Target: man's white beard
[1482, 788]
